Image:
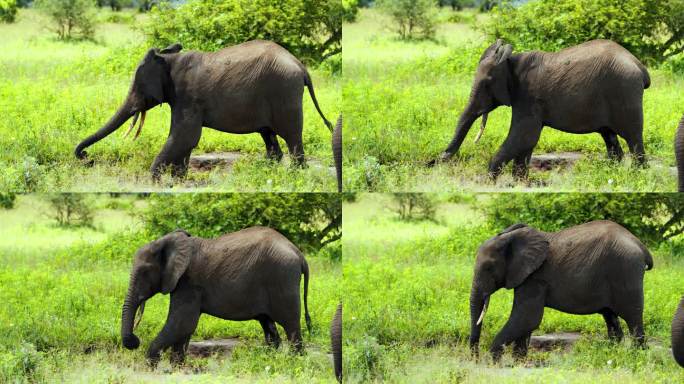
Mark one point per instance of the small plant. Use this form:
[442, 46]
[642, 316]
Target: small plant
[414, 206]
[71, 210]
[8, 10]
[7, 200]
[72, 19]
[413, 18]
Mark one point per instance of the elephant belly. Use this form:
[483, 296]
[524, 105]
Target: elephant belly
[579, 300]
[235, 304]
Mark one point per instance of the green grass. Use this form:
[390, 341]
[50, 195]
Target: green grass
[407, 287]
[53, 94]
[402, 99]
[62, 291]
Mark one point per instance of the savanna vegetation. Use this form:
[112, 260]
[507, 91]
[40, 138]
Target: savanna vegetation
[55, 90]
[407, 284]
[403, 95]
[63, 289]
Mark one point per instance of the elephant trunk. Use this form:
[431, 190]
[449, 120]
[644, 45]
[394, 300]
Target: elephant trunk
[130, 306]
[678, 334]
[336, 342]
[478, 307]
[465, 121]
[337, 151]
[679, 154]
[122, 114]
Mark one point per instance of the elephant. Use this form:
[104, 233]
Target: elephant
[679, 154]
[251, 274]
[336, 342]
[596, 86]
[678, 334]
[337, 151]
[252, 87]
[596, 267]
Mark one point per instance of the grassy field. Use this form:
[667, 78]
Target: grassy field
[62, 291]
[53, 94]
[402, 99]
[407, 287]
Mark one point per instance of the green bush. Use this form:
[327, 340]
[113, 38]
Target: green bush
[413, 18]
[71, 18]
[71, 210]
[310, 221]
[651, 29]
[7, 200]
[414, 206]
[652, 217]
[310, 29]
[8, 10]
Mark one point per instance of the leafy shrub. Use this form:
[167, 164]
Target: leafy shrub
[71, 210]
[414, 206]
[413, 18]
[310, 29]
[8, 10]
[651, 217]
[71, 18]
[650, 29]
[310, 221]
[118, 18]
[7, 200]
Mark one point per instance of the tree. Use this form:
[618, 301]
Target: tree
[8, 10]
[71, 18]
[414, 206]
[310, 29]
[653, 30]
[413, 18]
[71, 209]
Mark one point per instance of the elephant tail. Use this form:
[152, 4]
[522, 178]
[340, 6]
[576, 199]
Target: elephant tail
[309, 85]
[645, 75]
[649, 261]
[305, 271]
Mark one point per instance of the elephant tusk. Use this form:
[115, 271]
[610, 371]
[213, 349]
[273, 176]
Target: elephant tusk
[130, 128]
[484, 310]
[139, 315]
[142, 122]
[482, 127]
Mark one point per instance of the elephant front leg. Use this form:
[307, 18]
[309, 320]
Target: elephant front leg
[186, 130]
[178, 352]
[184, 313]
[612, 145]
[527, 313]
[613, 325]
[521, 140]
[273, 150]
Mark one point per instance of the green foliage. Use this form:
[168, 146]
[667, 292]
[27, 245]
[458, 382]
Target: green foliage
[652, 217]
[71, 18]
[7, 200]
[414, 206]
[71, 210]
[653, 30]
[310, 29]
[8, 10]
[310, 221]
[412, 18]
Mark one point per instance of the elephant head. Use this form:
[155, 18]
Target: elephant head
[152, 85]
[490, 89]
[156, 268]
[504, 261]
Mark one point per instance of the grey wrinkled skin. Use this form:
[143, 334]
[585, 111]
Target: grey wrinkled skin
[254, 87]
[336, 342]
[594, 87]
[337, 151]
[678, 334]
[252, 274]
[592, 268]
[679, 154]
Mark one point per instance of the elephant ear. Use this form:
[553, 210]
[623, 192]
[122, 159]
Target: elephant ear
[501, 74]
[173, 48]
[527, 250]
[175, 257]
[154, 70]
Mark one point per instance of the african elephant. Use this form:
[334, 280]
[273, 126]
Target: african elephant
[252, 274]
[678, 334]
[337, 151]
[596, 86]
[252, 87]
[336, 342]
[679, 154]
[596, 267]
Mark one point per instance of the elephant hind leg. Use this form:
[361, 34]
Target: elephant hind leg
[290, 127]
[270, 331]
[613, 324]
[612, 144]
[631, 309]
[273, 150]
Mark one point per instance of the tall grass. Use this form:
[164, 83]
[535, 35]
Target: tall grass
[402, 100]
